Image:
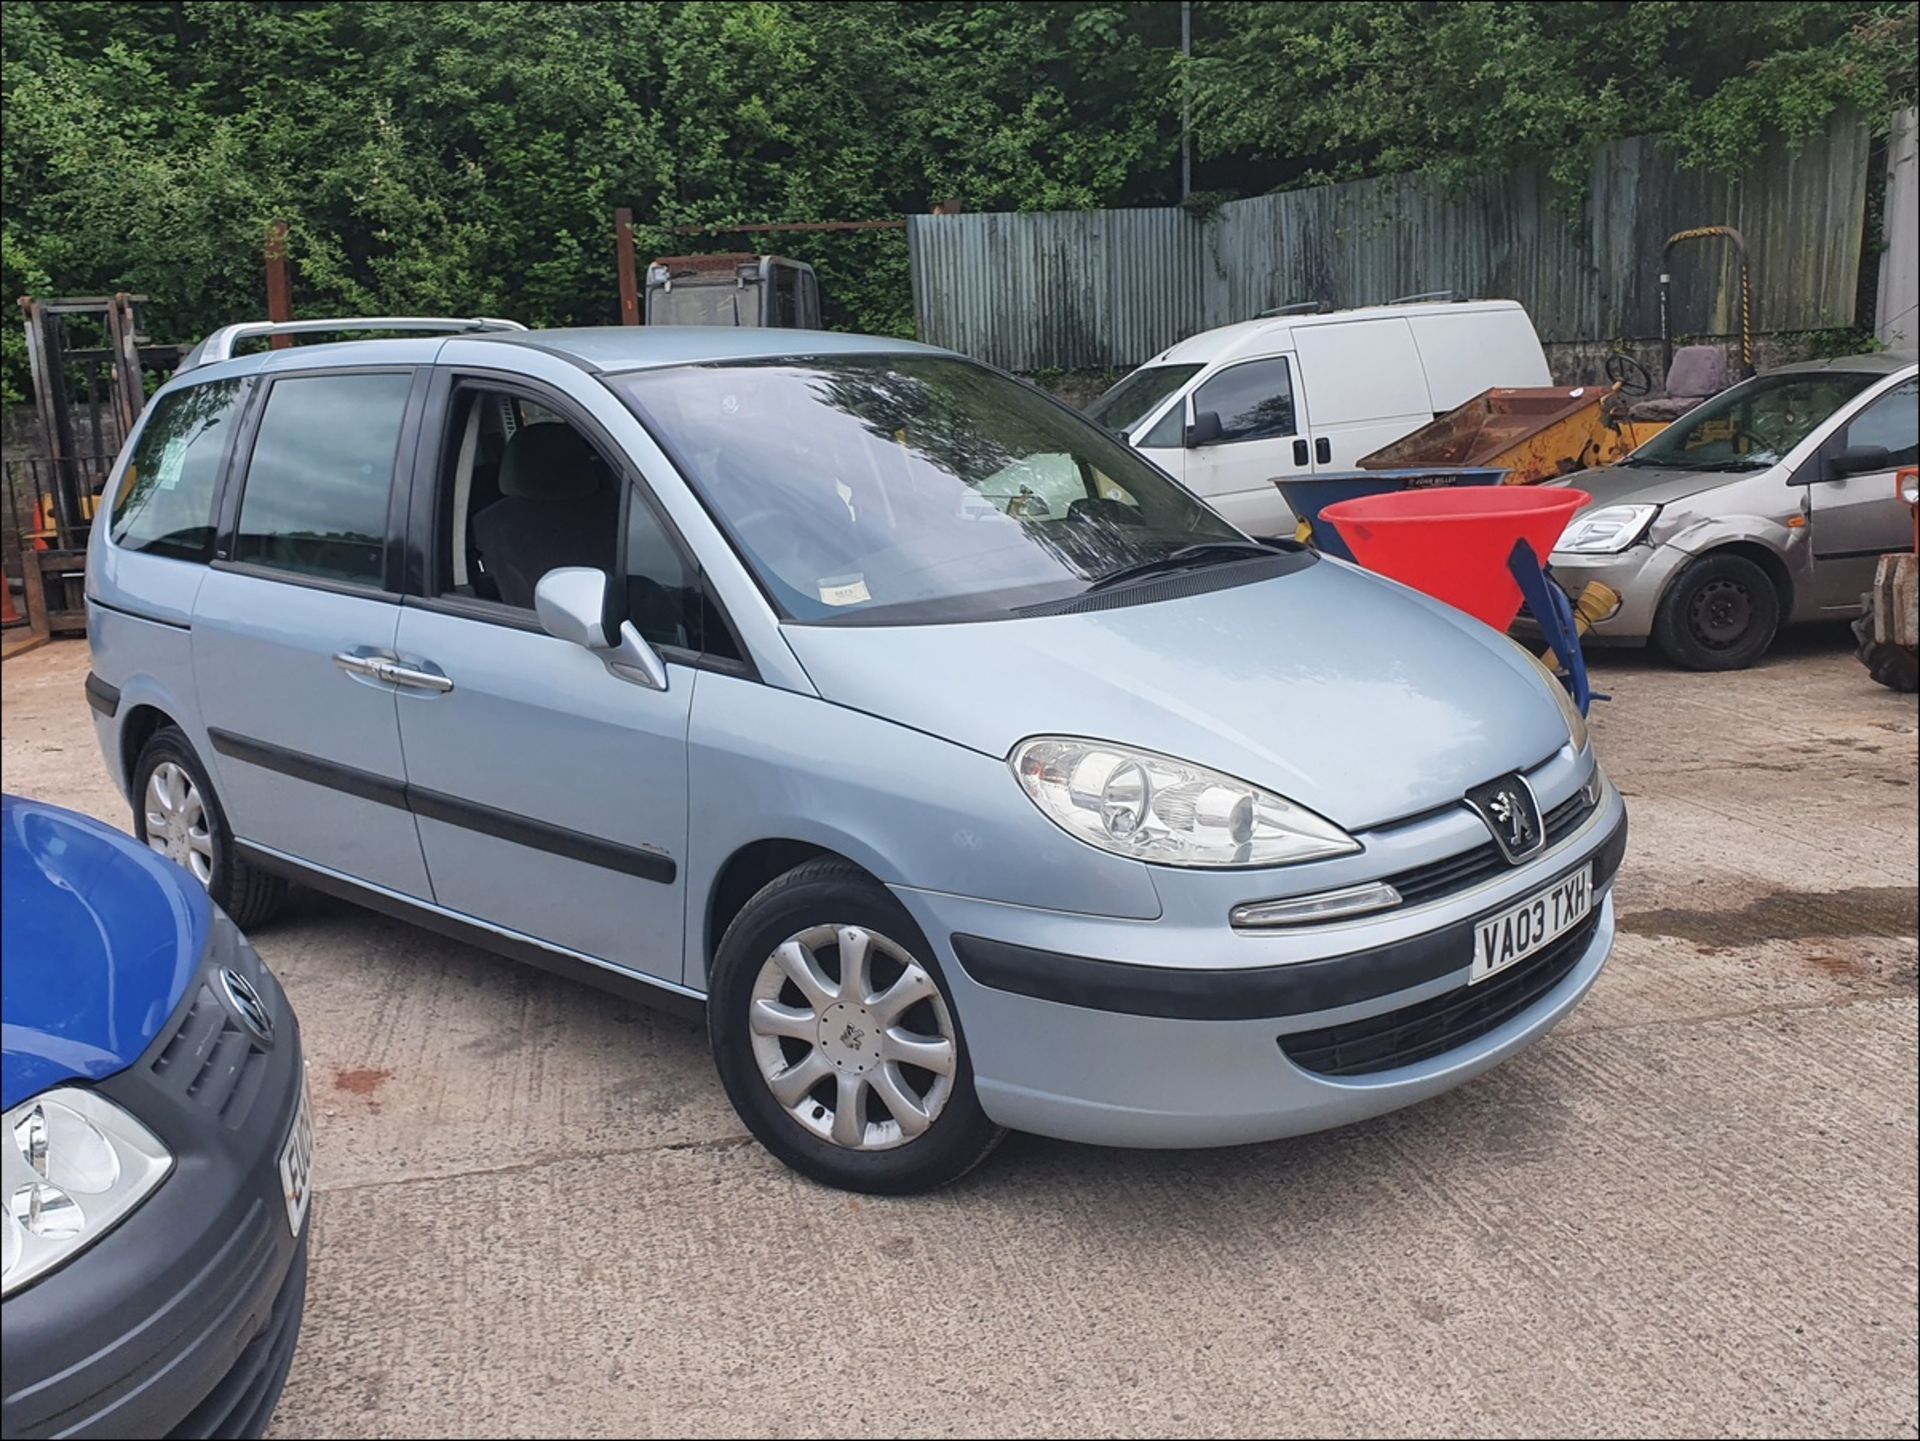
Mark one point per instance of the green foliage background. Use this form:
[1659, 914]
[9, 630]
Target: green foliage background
[466, 157]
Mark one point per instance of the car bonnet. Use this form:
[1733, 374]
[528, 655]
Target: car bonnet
[1345, 693]
[101, 938]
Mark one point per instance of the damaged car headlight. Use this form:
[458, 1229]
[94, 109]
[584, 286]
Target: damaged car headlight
[1608, 530]
[72, 1165]
[1151, 807]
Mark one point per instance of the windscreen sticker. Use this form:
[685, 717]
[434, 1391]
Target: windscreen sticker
[843, 590]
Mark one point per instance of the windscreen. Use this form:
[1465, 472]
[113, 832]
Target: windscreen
[694, 303]
[1753, 425]
[1137, 396]
[893, 488]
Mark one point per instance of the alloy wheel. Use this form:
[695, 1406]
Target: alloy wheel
[176, 820]
[852, 1037]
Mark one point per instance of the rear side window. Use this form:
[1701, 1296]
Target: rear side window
[1255, 400]
[165, 502]
[321, 473]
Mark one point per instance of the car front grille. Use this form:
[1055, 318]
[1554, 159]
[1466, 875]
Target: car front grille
[1484, 862]
[1432, 1027]
[210, 1059]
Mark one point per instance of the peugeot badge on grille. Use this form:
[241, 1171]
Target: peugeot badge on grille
[1512, 813]
[244, 1002]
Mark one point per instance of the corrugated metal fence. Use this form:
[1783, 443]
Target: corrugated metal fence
[1105, 288]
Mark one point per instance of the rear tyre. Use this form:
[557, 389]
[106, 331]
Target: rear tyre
[177, 813]
[1720, 613]
[837, 1041]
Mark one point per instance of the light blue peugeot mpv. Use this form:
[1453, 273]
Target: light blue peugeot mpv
[969, 771]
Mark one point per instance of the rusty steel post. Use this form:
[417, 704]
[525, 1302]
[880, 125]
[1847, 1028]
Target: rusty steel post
[623, 261]
[47, 366]
[279, 285]
[129, 389]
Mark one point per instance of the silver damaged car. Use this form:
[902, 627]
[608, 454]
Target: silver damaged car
[1772, 502]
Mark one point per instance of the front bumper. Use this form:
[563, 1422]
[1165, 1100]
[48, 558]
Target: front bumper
[1640, 574]
[182, 1320]
[1107, 1051]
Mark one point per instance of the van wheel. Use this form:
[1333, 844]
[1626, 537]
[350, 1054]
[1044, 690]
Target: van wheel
[1720, 613]
[176, 812]
[837, 1041]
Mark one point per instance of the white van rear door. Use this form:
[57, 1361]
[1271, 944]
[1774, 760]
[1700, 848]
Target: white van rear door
[1364, 387]
[1466, 352]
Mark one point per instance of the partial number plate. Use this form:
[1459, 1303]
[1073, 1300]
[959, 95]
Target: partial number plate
[1542, 918]
[296, 1163]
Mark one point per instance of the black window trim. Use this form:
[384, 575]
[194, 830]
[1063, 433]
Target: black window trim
[421, 580]
[1285, 357]
[240, 462]
[222, 474]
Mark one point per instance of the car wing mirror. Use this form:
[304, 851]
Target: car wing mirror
[1205, 429]
[571, 603]
[1860, 460]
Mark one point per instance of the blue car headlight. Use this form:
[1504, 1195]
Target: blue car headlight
[72, 1166]
[1151, 807]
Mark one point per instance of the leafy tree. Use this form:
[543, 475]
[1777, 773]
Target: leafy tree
[467, 157]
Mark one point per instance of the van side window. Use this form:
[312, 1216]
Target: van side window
[667, 598]
[1254, 400]
[321, 472]
[165, 502]
[522, 492]
[1893, 421]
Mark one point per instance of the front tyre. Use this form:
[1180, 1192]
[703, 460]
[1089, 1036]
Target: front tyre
[177, 814]
[836, 1040]
[1720, 613]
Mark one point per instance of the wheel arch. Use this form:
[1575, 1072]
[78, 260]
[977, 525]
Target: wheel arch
[742, 874]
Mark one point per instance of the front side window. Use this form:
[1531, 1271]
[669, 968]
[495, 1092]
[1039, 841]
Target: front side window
[1754, 425]
[165, 502]
[522, 492]
[1892, 422]
[881, 488]
[1254, 401]
[320, 476]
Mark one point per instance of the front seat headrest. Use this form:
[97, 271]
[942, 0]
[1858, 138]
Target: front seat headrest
[549, 461]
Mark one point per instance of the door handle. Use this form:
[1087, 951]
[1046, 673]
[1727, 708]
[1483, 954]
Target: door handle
[1300, 452]
[1323, 450]
[406, 675]
[376, 667]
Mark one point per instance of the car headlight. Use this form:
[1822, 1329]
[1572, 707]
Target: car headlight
[1908, 484]
[1151, 807]
[1608, 530]
[72, 1165]
[1576, 723]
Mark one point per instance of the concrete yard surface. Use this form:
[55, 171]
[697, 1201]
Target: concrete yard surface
[1691, 1209]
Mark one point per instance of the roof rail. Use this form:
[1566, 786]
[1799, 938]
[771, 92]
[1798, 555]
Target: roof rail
[1296, 307]
[1452, 297]
[220, 345]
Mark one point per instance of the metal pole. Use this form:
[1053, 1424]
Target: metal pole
[623, 262]
[1186, 100]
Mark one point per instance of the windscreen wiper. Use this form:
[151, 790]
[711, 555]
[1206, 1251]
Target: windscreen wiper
[1187, 557]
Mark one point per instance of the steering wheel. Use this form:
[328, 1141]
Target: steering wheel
[1621, 370]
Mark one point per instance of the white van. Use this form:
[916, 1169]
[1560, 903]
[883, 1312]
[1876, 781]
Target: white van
[1232, 410]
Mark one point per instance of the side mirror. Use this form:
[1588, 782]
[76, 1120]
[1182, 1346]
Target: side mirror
[1860, 460]
[1205, 429]
[571, 603]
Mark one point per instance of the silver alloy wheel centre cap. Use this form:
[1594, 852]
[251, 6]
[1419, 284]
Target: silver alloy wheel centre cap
[850, 1038]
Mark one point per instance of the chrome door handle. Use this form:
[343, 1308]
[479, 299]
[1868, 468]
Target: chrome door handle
[357, 664]
[399, 674]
